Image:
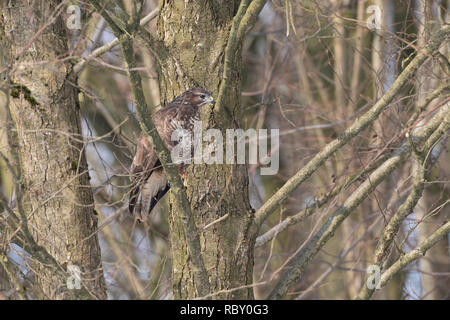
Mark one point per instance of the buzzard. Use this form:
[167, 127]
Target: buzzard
[148, 180]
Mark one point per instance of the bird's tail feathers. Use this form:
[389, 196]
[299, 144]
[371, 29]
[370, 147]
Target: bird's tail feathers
[150, 193]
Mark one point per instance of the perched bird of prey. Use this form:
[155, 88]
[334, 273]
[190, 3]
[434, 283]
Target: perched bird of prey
[148, 181]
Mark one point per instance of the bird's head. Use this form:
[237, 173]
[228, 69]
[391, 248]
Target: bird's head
[196, 96]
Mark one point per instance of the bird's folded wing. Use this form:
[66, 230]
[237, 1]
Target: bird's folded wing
[144, 163]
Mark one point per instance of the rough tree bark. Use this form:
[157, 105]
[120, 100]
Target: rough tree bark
[192, 38]
[57, 199]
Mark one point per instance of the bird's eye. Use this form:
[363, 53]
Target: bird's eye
[202, 96]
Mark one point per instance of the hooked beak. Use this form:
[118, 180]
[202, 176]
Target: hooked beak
[211, 100]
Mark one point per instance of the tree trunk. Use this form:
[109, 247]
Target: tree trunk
[57, 199]
[194, 34]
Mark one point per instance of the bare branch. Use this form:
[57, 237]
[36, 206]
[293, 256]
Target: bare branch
[77, 68]
[360, 124]
[304, 256]
[245, 19]
[390, 231]
[414, 254]
[320, 202]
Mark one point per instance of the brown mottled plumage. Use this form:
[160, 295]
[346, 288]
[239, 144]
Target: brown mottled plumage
[148, 181]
